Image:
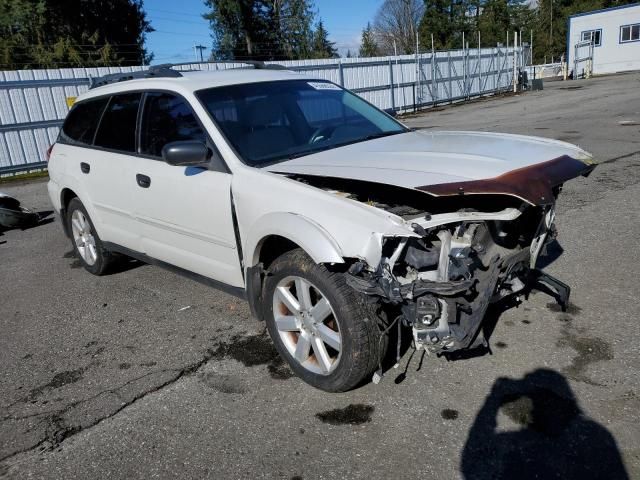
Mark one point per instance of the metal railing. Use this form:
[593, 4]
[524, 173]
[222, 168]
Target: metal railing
[583, 54]
[33, 103]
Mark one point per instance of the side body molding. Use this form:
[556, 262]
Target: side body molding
[303, 231]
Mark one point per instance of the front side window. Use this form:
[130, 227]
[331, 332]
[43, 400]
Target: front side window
[268, 122]
[117, 130]
[630, 33]
[82, 121]
[167, 118]
[594, 36]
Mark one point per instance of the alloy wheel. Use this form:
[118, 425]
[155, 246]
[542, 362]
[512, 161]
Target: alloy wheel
[83, 237]
[307, 325]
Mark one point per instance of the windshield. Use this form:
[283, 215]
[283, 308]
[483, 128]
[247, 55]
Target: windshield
[272, 121]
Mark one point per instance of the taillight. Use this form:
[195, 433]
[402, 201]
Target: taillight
[48, 156]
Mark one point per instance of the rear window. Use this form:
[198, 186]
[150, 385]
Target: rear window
[82, 121]
[117, 129]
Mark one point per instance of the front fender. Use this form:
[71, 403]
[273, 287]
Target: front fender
[301, 230]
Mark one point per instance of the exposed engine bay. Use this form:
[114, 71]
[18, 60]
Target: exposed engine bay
[442, 280]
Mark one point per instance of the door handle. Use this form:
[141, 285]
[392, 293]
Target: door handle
[143, 180]
[85, 167]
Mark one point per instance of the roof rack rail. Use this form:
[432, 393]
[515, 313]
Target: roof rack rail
[164, 70]
[257, 64]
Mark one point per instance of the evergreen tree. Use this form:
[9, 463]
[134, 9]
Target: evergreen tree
[296, 28]
[261, 29]
[546, 19]
[442, 19]
[368, 45]
[322, 46]
[495, 20]
[72, 33]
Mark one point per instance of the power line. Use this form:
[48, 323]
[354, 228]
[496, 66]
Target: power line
[173, 12]
[203, 22]
[181, 33]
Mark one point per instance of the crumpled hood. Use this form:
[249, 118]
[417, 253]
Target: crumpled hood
[422, 159]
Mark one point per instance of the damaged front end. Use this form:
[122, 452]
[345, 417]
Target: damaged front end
[470, 244]
[443, 280]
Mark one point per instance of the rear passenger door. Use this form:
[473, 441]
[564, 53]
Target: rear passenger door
[103, 169]
[183, 213]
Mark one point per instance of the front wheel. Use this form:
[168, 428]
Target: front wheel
[319, 324]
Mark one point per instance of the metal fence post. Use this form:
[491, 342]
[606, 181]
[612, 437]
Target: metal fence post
[479, 67]
[340, 74]
[464, 69]
[450, 73]
[496, 78]
[391, 88]
[434, 79]
[515, 76]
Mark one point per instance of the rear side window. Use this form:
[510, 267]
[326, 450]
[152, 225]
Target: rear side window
[117, 129]
[167, 118]
[82, 121]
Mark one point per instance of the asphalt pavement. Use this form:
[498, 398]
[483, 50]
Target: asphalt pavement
[146, 374]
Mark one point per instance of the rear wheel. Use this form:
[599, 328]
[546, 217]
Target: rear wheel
[319, 324]
[86, 242]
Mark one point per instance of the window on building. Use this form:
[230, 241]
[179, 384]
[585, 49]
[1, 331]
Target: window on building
[630, 33]
[593, 35]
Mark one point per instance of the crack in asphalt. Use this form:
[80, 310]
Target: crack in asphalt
[621, 157]
[58, 431]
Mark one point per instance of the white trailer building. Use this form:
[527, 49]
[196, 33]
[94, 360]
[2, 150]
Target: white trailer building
[615, 33]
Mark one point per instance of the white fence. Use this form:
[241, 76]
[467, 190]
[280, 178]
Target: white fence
[547, 70]
[33, 102]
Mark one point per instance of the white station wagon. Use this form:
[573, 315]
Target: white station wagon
[333, 220]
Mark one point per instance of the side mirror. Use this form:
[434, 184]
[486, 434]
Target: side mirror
[187, 153]
[391, 112]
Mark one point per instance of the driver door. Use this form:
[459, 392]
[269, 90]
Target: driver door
[183, 213]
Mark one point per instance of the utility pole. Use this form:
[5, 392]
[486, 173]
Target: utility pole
[198, 49]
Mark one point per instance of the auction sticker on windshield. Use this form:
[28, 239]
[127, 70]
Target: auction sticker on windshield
[323, 86]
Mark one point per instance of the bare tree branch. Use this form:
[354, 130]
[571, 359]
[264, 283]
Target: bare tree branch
[397, 20]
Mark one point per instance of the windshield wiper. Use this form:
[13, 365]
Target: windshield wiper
[309, 152]
[350, 142]
[381, 134]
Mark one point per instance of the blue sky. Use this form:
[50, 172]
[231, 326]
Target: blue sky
[179, 25]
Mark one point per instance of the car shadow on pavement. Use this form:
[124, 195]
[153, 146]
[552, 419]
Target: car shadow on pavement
[483, 347]
[124, 264]
[547, 436]
[552, 252]
[482, 341]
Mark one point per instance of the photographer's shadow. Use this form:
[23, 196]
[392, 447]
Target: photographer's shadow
[554, 438]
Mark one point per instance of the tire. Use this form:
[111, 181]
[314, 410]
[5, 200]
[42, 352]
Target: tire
[85, 240]
[355, 355]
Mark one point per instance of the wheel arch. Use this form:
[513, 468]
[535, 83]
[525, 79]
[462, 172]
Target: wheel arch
[66, 195]
[275, 234]
[292, 229]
